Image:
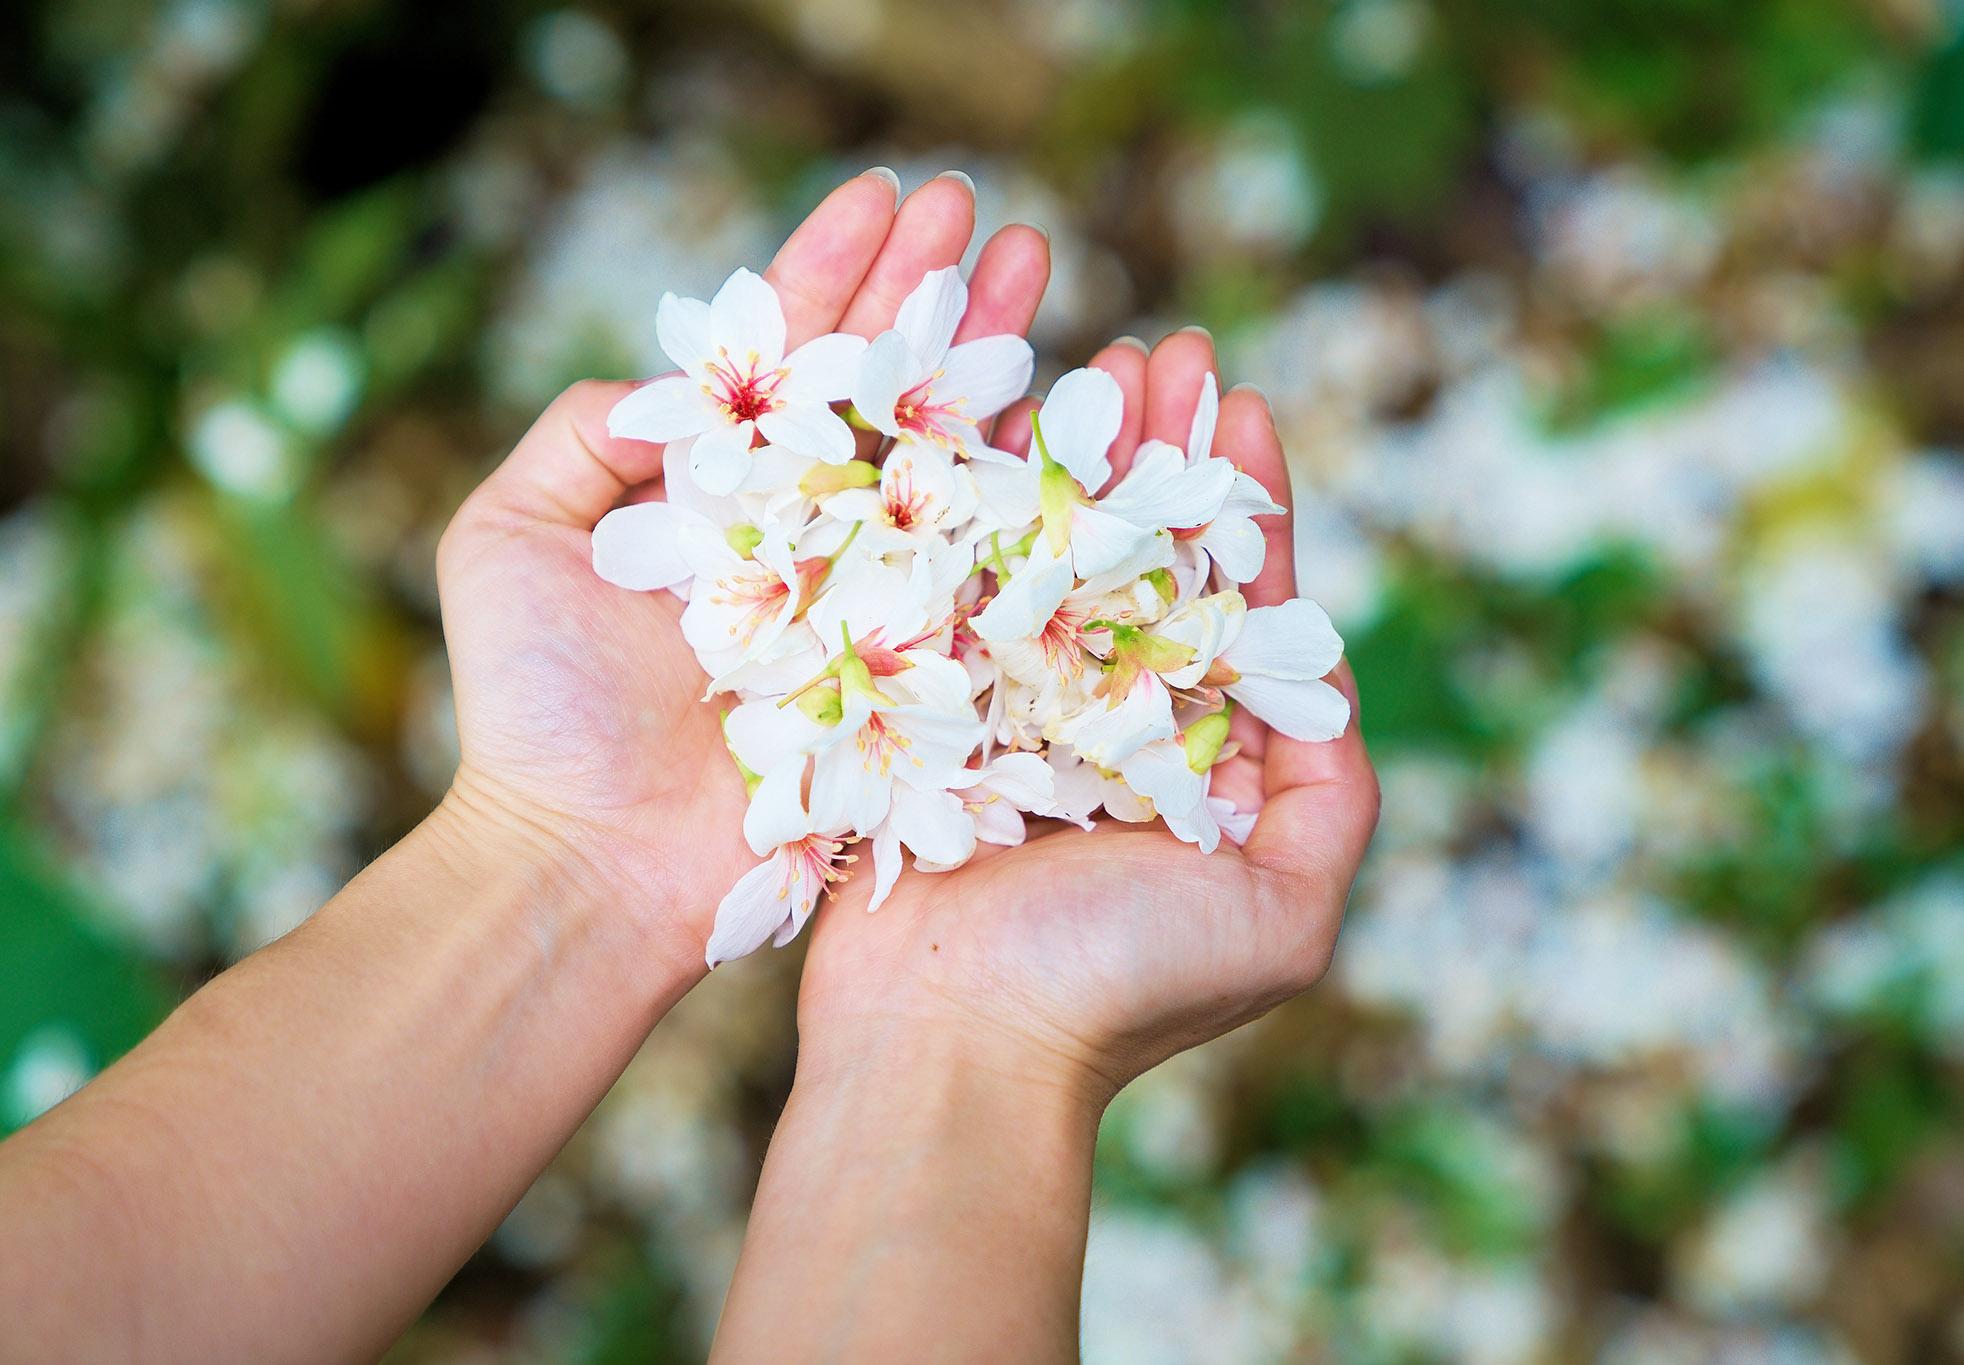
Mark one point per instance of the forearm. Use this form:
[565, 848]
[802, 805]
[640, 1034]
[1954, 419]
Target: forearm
[923, 1199]
[309, 1147]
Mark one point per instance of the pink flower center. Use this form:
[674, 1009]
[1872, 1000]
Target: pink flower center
[812, 861]
[1059, 641]
[757, 594]
[743, 390]
[881, 744]
[906, 506]
[917, 412]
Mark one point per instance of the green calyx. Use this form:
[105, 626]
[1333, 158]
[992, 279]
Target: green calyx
[853, 673]
[822, 479]
[1163, 584]
[822, 703]
[1136, 651]
[1058, 493]
[743, 538]
[1203, 739]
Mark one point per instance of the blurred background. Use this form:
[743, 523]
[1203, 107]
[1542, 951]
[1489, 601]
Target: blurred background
[1620, 349]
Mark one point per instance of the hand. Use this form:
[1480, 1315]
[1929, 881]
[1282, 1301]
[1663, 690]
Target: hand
[1085, 958]
[579, 704]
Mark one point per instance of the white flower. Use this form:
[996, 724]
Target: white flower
[737, 384]
[640, 546]
[1274, 667]
[915, 386]
[1230, 539]
[773, 900]
[921, 497]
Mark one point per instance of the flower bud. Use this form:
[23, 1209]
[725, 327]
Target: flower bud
[1203, 739]
[743, 538]
[822, 479]
[822, 704]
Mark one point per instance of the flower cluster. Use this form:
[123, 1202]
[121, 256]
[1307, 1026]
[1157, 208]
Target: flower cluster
[921, 639]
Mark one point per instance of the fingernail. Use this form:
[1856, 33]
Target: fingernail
[1039, 229]
[1143, 349]
[1256, 389]
[1198, 330]
[887, 174]
[958, 175]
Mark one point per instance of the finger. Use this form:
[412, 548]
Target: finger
[1246, 435]
[568, 468]
[1173, 378]
[1007, 284]
[822, 264]
[1012, 429]
[930, 231]
[1125, 361]
[1322, 805]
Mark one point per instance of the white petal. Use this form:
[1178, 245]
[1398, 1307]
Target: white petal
[1206, 413]
[1080, 419]
[665, 409]
[752, 912]
[998, 822]
[847, 792]
[720, 457]
[1023, 780]
[1161, 489]
[886, 371]
[1023, 606]
[1309, 710]
[1108, 735]
[764, 735]
[746, 318]
[1249, 498]
[1009, 492]
[682, 328]
[776, 814]
[1237, 546]
[823, 369]
[989, 373]
[639, 546]
[1159, 772]
[928, 317]
[1237, 825]
[1294, 640]
[1101, 542]
[809, 429]
[886, 865]
[934, 825]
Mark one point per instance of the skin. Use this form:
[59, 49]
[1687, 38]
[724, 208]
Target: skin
[292, 1166]
[927, 1194]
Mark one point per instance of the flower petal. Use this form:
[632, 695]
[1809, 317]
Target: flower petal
[823, 369]
[988, 373]
[886, 865]
[752, 911]
[1161, 489]
[682, 328]
[1310, 710]
[720, 457]
[746, 318]
[1023, 606]
[1206, 413]
[1292, 640]
[885, 372]
[776, 814]
[1237, 546]
[847, 791]
[639, 546]
[1101, 543]
[934, 825]
[764, 735]
[928, 317]
[665, 409]
[809, 429]
[1080, 420]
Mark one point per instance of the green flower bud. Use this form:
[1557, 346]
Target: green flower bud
[743, 538]
[1203, 739]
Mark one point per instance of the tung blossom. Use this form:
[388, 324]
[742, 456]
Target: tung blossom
[919, 387]
[738, 386]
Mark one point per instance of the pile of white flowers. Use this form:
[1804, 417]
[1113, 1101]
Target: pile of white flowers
[923, 639]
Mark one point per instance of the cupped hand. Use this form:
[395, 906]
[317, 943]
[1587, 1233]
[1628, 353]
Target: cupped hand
[579, 706]
[1086, 957]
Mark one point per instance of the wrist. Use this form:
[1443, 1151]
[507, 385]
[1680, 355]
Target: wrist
[974, 1067]
[577, 875]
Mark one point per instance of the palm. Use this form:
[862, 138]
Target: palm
[1122, 945]
[578, 703]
